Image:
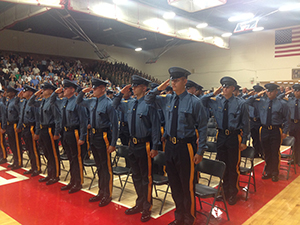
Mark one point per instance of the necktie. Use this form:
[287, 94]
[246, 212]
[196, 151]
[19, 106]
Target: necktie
[225, 115]
[269, 114]
[94, 114]
[173, 132]
[64, 119]
[133, 119]
[23, 113]
[296, 116]
[42, 111]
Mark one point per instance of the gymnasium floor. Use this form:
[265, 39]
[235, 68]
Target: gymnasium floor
[23, 200]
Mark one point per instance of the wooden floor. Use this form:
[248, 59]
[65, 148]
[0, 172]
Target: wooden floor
[7, 220]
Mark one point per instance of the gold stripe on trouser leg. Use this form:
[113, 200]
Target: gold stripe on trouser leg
[2, 145]
[149, 196]
[191, 183]
[88, 142]
[35, 150]
[217, 134]
[54, 151]
[17, 144]
[279, 153]
[238, 162]
[79, 156]
[108, 164]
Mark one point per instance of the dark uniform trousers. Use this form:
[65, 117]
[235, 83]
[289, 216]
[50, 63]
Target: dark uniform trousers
[271, 141]
[99, 144]
[181, 174]
[51, 151]
[142, 171]
[255, 125]
[3, 153]
[74, 153]
[295, 132]
[124, 133]
[229, 153]
[14, 140]
[31, 147]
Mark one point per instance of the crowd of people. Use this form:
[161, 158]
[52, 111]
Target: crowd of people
[71, 103]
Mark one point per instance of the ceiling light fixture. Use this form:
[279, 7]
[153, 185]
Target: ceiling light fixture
[138, 49]
[28, 29]
[142, 39]
[107, 29]
[241, 17]
[226, 34]
[169, 15]
[157, 24]
[258, 29]
[289, 7]
[202, 25]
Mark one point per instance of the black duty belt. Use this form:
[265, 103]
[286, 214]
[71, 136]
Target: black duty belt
[229, 132]
[124, 124]
[101, 130]
[46, 126]
[255, 119]
[71, 128]
[295, 121]
[176, 140]
[271, 127]
[28, 124]
[137, 141]
[12, 122]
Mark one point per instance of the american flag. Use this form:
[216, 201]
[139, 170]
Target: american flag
[287, 42]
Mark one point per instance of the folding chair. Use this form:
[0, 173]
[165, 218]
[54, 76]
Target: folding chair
[159, 180]
[122, 151]
[88, 162]
[216, 169]
[289, 158]
[247, 168]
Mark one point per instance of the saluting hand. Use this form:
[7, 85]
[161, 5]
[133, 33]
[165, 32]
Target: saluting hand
[111, 149]
[283, 136]
[59, 90]
[20, 95]
[126, 89]
[250, 92]
[261, 93]
[38, 93]
[153, 153]
[288, 92]
[164, 85]
[86, 90]
[197, 158]
[218, 91]
[56, 137]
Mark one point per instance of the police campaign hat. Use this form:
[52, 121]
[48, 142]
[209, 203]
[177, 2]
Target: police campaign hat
[237, 87]
[271, 87]
[137, 80]
[169, 88]
[190, 84]
[177, 72]
[296, 87]
[47, 85]
[258, 88]
[29, 88]
[199, 87]
[68, 83]
[153, 85]
[97, 82]
[228, 81]
[11, 89]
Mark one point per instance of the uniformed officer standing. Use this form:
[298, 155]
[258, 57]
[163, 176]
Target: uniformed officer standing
[275, 119]
[191, 87]
[14, 138]
[293, 104]
[144, 127]
[182, 111]
[3, 154]
[104, 127]
[29, 125]
[231, 114]
[49, 134]
[74, 126]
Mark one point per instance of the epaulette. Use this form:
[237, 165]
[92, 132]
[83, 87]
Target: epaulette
[285, 98]
[257, 99]
[40, 99]
[163, 96]
[22, 100]
[61, 98]
[124, 101]
[213, 98]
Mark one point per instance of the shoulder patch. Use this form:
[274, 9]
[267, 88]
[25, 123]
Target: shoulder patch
[213, 98]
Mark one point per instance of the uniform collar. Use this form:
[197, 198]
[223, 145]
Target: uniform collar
[182, 95]
[102, 97]
[141, 99]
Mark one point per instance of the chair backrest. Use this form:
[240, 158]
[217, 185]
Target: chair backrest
[211, 167]
[211, 123]
[212, 146]
[160, 159]
[211, 132]
[249, 152]
[288, 141]
[122, 151]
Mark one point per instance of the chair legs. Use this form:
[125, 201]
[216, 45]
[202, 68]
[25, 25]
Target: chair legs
[123, 187]
[163, 202]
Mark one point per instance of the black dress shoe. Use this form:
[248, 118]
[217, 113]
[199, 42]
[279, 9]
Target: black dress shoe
[35, 173]
[105, 201]
[232, 200]
[96, 198]
[45, 179]
[67, 187]
[75, 188]
[10, 166]
[177, 222]
[52, 181]
[2, 161]
[146, 216]
[275, 178]
[134, 210]
[28, 172]
[15, 167]
[266, 176]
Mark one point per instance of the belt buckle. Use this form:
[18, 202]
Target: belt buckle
[134, 140]
[296, 121]
[254, 119]
[270, 127]
[174, 140]
[227, 132]
[93, 130]
[66, 129]
[123, 124]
